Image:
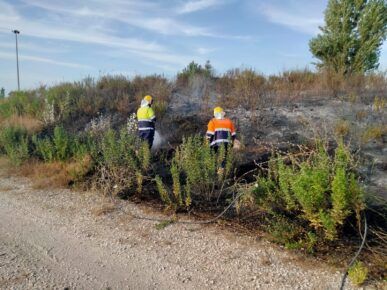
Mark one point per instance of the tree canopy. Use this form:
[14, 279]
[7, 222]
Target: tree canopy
[351, 39]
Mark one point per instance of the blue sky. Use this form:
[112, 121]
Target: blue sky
[69, 40]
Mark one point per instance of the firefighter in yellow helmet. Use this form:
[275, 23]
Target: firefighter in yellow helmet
[220, 131]
[146, 120]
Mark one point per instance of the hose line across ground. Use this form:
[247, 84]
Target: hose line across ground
[229, 206]
[356, 255]
[190, 222]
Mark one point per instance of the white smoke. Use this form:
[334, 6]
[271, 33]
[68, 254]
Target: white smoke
[157, 141]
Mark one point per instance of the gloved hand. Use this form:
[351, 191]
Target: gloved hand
[237, 145]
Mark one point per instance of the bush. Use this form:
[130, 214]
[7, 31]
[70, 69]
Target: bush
[59, 147]
[63, 100]
[23, 103]
[197, 173]
[320, 190]
[194, 69]
[290, 85]
[155, 85]
[122, 162]
[358, 273]
[62, 143]
[115, 93]
[44, 148]
[30, 124]
[242, 87]
[14, 143]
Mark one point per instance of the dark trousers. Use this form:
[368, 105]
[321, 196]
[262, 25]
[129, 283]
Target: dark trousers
[216, 149]
[148, 136]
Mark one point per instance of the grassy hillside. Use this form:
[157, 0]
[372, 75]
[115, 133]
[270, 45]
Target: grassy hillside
[306, 189]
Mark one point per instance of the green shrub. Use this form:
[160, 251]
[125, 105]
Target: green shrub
[197, 172]
[14, 143]
[23, 103]
[192, 70]
[358, 273]
[62, 143]
[163, 191]
[284, 232]
[81, 146]
[319, 189]
[122, 162]
[62, 146]
[44, 148]
[2, 93]
[64, 99]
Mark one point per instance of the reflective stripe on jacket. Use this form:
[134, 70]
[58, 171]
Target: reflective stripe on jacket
[146, 118]
[220, 131]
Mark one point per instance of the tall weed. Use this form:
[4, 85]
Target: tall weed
[318, 189]
[122, 162]
[198, 173]
[14, 142]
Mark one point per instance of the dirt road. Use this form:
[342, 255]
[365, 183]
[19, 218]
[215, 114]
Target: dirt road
[61, 239]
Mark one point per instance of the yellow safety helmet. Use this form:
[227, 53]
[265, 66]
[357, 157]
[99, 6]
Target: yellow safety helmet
[218, 110]
[148, 98]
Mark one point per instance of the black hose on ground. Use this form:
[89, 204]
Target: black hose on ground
[356, 255]
[191, 222]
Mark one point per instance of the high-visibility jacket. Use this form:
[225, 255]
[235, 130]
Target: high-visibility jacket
[220, 131]
[146, 119]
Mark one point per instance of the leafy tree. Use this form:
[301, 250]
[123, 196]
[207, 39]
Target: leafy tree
[2, 93]
[194, 68]
[353, 34]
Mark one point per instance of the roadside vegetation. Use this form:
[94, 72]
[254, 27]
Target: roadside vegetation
[83, 135]
[310, 197]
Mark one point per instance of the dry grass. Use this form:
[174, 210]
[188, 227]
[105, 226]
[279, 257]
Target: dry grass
[4, 188]
[46, 175]
[51, 174]
[293, 85]
[361, 115]
[31, 124]
[79, 168]
[244, 87]
[374, 132]
[155, 85]
[342, 128]
[103, 209]
[249, 88]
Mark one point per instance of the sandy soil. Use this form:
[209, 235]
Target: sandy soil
[58, 239]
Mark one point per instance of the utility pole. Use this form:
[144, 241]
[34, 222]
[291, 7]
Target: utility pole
[17, 59]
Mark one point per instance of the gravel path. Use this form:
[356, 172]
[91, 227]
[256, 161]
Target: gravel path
[57, 239]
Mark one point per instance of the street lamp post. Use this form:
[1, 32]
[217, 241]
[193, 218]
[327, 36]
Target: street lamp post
[17, 59]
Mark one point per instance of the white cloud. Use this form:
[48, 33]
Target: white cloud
[300, 19]
[76, 34]
[23, 57]
[144, 15]
[205, 50]
[8, 13]
[193, 6]
[31, 46]
[131, 13]
[155, 58]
